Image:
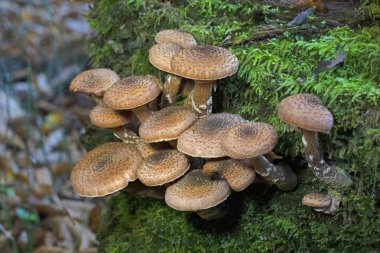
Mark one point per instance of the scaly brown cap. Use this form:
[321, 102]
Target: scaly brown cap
[196, 191]
[316, 200]
[105, 169]
[132, 92]
[163, 167]
[102, 116]
[249, 140]
[237, 172]
[306, 111]
[204, 63]
[203, 139]
[160, 55]
[181, 38]
[94, 81]
[167, 124]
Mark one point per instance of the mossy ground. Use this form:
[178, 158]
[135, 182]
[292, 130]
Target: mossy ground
[270, 221]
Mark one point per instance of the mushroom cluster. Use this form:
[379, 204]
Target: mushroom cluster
[159, 138]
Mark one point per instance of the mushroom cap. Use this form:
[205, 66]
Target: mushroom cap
[132, 92]
[160, 55]
[167, 124]
[105, 169]
[163, 167]
[237, 172]
[316, 200]
[306, 111]
[196, 191]
[94, 81]
[179, 37]
[102, 116]
[203, 139]
[204, 63]
[250, 139]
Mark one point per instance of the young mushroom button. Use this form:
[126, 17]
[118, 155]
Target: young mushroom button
[179, 37]
[307, 112]
[196, 191]
[204, 64]
[133, 93]
[105, 169]
[252, 140]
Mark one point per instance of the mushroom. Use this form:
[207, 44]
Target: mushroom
[196, 191]
[251, 141]
[133, 93]
[203, 139]
[129, 137]
[160, 56]
[105, 169]
[163, 167]
[178, 37]
[204, 64]
[94, 82]
[308, 113]
[167, 124]
[324, 203]
[237, 172]
[102, 116]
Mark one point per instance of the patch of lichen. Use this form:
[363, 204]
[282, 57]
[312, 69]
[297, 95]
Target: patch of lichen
[269, 71]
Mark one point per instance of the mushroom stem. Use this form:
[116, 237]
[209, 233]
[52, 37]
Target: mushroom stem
[213, 213]
[331, 175]
[127, 136]
[280, 175]
[171, 87]
[142, 113]
[201, 98]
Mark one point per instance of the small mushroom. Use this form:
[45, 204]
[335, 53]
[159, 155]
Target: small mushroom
[163, 167]
[104, 117]
[204, 64]
[178, 37]
[308, 113]
[133, 93]
[238, 173]
[94, 82]
[105, 169]
[167, 124]
[203, 139]
[324, 203]
[196, 191]
[160, 56]
[251, 141]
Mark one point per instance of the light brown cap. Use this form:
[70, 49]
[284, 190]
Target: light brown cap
[316, 200]
[179, 37]
[204, 63]
[105, 169]
[132, 92]
[306, 111]
[196, 191]
[94, 81]
[102, 116]
[237, 172]
[163, 167]
[167, 124]
[160, 55]
[203, 139]
[249, 140]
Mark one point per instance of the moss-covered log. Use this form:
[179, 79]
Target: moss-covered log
[270, 69]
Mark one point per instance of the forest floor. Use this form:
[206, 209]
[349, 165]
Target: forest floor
[41, 124]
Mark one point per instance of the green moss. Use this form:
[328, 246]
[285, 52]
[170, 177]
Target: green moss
[270, 221]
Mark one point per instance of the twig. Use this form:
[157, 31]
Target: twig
[300, 18]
